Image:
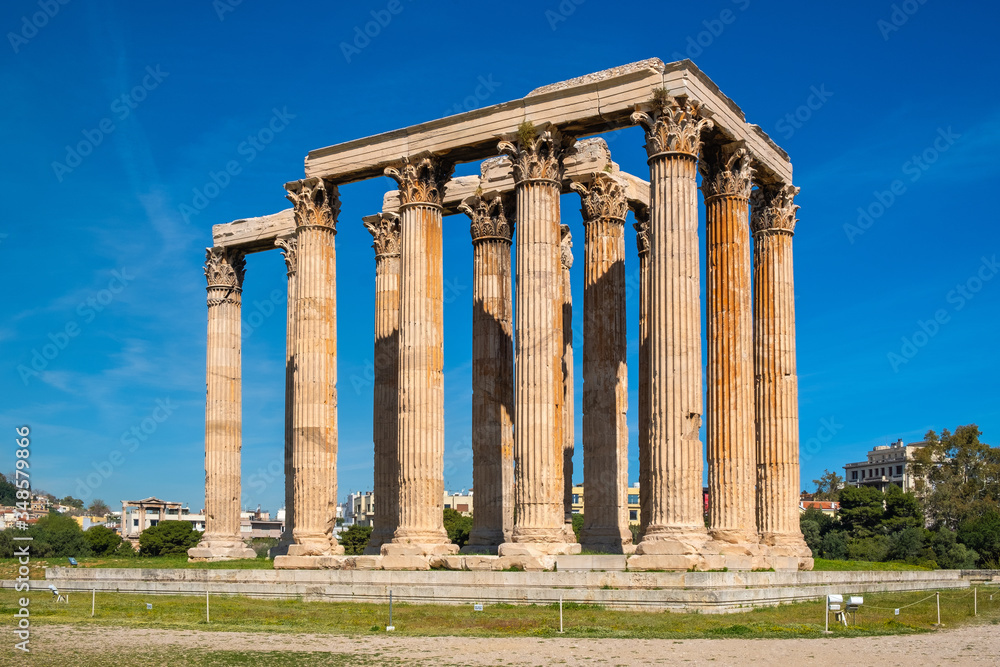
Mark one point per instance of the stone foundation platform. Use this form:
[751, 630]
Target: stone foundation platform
[712, 592]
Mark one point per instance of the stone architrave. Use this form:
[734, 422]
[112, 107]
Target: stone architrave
[776, 394]
[384, 229]
[539, 528]
[605, 373]
[314, 440]
[642, 247]
[420, 531]
[492, 228]
[224, 269]
[726, 184]
[288, 247]
[675, 537]
[566, 261]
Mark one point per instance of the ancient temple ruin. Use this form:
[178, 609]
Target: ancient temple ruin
[522, 393]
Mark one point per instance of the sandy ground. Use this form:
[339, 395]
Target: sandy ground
[979, 644]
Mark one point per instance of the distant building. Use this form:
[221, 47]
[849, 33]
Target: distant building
[460, 502]
[633, 502]
[360, 507]
[828, 507]
[886, 464]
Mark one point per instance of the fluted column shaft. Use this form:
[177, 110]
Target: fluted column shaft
[568, 402]
[385, 411]
[776, 394]
[314, 441]
[223, 405]
[420, 444]
[288, 247]
[730, 427]
[605, 374]
[492, 372]
[645, 481]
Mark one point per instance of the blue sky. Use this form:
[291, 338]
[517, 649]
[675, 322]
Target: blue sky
[102, 251]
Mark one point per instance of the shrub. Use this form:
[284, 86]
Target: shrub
[875, 548]
[102, 540]
[458, 526]
[834, 545]
[262, 545]
[168, 537]
[57, 535]
[355, 539]
[983, 535]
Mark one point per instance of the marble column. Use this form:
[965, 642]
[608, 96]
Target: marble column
[539, 528]
[384, 228]
[727, 180]
[605, 373]
[421, 359]
[224, 269]
[776, 395]
[568, 401]
[675, 537]
[288, 246]
[492, 228]
[314, 437]
[642, 246]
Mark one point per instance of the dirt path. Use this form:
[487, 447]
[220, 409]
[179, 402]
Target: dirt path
[978, 644]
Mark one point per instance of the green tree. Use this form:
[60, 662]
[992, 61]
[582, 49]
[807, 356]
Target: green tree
[168, 537]
[908, 545]
[56, 535]
[828, 486]
[8, 492]
[102, 541]
[860, 510]
[458, 526]
[949, 553]
[812, 536]
[823, 521]
[98, 507]
[958, 477]
[355, 539]
[834, 545]
[70, 501]
[982, 534]
[902, 511]
[870, 548]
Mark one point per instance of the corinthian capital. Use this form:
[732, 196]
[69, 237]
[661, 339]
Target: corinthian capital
[674, 124]
[537, 154]
[565, 246]
[602, 197]
[727, 171]
[289, 250]
[225, 268]
[384, 228]
[773, 208]
[316, 202]
[421, 180]
[491, 217]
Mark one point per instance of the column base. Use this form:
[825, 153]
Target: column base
[673, 549]
[787, 549]
[315, 548]
[377, 539]
[280, 549]
[483, 542]
[217, 550]
[538, 549]
[610, 541]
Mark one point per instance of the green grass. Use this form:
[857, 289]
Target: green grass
[235, 613]
[824, 565]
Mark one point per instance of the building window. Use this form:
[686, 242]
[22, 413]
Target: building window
[862, 474]
[633, 499]
[854, 474]
[633, 515]
[576, 498]
[899, 470]
[447, 506]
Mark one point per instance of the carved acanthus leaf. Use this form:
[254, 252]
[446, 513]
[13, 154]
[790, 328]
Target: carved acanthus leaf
[289, 250]
[385, 230]
[602, 197]
[540, 158]
[772, 207]
[674, 124]
[421, 180]
[225, 267]
[565, 247]
[727, 172]
[491, 217]
[316, 202]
